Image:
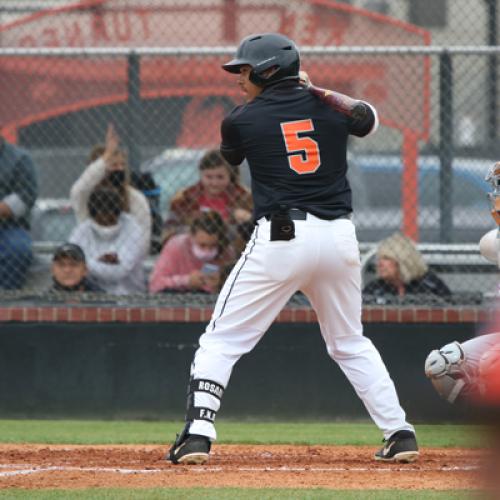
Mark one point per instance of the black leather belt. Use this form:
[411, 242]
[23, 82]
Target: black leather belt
[297, 214]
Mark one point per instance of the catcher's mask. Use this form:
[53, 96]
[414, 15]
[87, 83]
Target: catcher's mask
[268, 51]
[493, 177]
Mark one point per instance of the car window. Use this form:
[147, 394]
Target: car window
[376, 182]
[172, 178]
[173, 170]
[465, 191]
[53, 225]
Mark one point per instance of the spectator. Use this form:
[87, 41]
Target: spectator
[18, 192]
[144, 182]
[109, 239]
[108, 168]
[401, 270]
[194, 261]
[218, 189]
[69, 270]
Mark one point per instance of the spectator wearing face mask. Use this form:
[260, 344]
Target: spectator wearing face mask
[114, 260]
[108, 168]
[193, 261]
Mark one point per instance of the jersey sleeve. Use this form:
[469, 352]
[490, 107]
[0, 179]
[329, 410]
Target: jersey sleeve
[366, 125]
[230, 147]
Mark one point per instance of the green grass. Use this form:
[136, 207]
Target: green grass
[234, 493]
[312, 433]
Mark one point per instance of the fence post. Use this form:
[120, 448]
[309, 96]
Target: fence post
[492, 7]
[134, 110]
[445, 147]
[409, 185]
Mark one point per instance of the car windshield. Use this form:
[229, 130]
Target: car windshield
[173, 170]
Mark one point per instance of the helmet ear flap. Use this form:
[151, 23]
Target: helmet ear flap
[256, 79]
[260, 78]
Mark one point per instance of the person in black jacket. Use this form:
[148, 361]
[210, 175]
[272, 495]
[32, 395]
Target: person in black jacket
[18, 192]
[401, 270]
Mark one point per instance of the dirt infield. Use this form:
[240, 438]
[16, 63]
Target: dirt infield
[264, 466]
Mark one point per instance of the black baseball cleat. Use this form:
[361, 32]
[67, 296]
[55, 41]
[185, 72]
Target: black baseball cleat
[400, 447]
[190, 449]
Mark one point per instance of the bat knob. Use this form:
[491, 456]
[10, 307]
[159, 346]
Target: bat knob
[359, 111]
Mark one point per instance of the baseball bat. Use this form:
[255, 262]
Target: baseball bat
[340, 102]
[335, 100]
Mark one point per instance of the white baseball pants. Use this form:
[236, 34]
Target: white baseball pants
[323, 262]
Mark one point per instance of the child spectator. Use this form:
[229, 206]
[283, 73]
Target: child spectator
[219, 190]
[109, 240]
[193, 261]
[109, 169]
[401, 270]
[69, 270]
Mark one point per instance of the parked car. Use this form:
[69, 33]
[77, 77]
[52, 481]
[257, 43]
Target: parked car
[377, 192]
[52, 220]
[376, 184]
[172, 170]
[377, 195]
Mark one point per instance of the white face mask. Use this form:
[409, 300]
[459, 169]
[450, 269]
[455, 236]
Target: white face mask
[202, 254]
[105, 232]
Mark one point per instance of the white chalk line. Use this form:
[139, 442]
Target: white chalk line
[37, 470]
[31, 469]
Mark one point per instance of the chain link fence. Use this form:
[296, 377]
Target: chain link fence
[77, 78]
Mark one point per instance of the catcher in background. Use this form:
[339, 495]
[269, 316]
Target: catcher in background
[455, 369]
[489, 245]
[462, 371]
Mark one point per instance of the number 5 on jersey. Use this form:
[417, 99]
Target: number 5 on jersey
[303, 152]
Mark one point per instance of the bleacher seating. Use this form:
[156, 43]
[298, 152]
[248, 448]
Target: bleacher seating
[461, 266]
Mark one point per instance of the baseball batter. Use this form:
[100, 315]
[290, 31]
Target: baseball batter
[294, 138]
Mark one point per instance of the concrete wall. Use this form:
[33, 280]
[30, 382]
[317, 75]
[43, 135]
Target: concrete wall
[60, 370]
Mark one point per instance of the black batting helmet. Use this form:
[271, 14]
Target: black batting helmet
[263, 52]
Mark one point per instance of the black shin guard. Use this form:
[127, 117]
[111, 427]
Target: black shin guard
[196, 412]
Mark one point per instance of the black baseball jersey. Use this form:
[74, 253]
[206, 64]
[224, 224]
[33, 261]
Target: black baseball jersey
[296, 148]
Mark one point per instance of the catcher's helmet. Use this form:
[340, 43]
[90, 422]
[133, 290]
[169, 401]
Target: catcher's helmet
[263, 52]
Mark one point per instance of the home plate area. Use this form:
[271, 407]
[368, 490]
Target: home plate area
[244, 466]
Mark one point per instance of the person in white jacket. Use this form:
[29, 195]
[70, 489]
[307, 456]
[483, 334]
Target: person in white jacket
[110, 169]
[109, 240]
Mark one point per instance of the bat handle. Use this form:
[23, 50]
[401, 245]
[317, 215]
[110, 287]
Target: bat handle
[340, 102]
